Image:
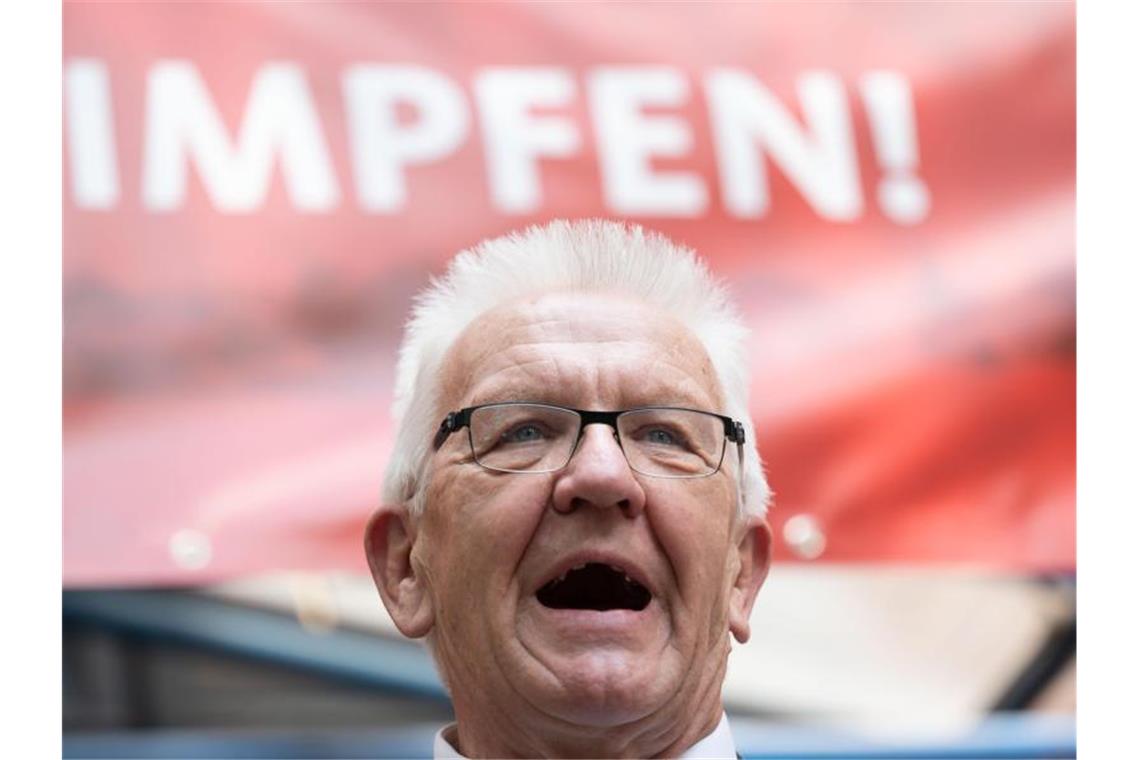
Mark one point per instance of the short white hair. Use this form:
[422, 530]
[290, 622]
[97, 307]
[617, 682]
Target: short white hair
[567, 256]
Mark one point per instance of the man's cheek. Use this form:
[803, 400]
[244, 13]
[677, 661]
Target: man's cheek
[455, 501]
[511, 511]
[490, 526]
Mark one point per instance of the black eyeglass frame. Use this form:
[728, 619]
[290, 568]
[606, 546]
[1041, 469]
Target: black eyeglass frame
[733, 429]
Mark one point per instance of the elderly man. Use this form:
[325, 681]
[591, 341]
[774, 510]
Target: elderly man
[574, 513]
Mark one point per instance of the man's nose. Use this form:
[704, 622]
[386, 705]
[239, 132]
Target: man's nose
[598, 475]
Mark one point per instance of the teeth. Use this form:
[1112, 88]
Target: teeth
[582, 566]
[568, 571]
[623, 573]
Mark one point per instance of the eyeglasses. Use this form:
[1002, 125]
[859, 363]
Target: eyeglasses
[662, 441]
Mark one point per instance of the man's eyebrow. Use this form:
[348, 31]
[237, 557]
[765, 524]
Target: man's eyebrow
[501, 397]
[555, 399]
[686, 394]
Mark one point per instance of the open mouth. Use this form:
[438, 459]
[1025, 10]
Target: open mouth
[594, 586]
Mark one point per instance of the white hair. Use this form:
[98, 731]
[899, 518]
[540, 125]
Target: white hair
[587, 255]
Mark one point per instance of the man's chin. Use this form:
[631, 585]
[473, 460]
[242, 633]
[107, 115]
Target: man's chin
[598, 668]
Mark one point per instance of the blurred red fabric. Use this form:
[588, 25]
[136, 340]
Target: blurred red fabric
[227, 374]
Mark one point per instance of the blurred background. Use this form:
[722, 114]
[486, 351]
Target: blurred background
[254, 192]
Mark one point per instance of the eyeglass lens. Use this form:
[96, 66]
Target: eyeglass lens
[675, 443]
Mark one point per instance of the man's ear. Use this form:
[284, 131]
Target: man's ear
[754, 547]
[388, 541]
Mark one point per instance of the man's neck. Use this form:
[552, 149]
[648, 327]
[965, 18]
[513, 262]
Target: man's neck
[650, 737]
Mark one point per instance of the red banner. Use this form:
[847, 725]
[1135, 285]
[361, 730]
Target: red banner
[253, 192]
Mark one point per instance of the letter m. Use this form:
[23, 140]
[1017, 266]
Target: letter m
[183, 127]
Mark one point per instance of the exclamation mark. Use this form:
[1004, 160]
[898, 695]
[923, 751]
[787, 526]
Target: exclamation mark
[903, 196]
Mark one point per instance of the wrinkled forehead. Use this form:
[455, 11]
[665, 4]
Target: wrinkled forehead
[566, 347]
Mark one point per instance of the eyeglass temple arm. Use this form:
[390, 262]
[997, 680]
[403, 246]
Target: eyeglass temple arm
[452, 422]
[734, 431]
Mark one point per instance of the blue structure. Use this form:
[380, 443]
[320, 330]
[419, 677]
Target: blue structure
[398, 667]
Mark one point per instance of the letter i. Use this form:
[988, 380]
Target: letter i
[90, 134]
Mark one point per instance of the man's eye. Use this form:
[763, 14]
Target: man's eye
[522, 434]
[661, 437]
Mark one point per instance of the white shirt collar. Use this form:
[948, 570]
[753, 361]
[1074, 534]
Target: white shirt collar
[442, 748]
[718, 744]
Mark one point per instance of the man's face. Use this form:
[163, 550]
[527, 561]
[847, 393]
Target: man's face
[488, 541]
